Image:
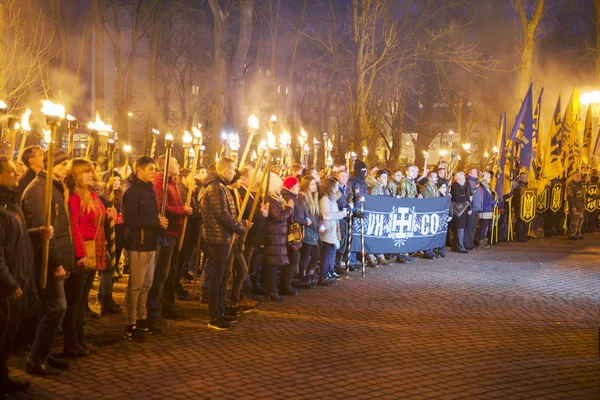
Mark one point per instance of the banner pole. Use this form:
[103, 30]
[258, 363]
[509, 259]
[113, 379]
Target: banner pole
[361, 199]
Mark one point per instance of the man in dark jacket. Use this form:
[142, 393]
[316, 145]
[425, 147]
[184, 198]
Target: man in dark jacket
[521, 227]
[576, 201]
[357, 187]
[161, 297]
[19, 296]
[61, 260]
[220, 222]
[33, 159]
[473, 218]
[143, 226]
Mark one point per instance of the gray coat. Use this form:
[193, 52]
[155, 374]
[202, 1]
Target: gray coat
[331, 215]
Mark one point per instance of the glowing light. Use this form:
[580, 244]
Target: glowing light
[17, 126]
[365, 151]
[451, 132]
[271, 142]
[168, 137]
[130, 114]
[261, 146]
[253, 122]
[3, 105]
[46, 135]
[224, 136]
[273, 118]
[590, 97]
[425, 154]
[197, 132]
[284, 139]
[466, 146]
[234, 142]
[99, 125]
[316, 142]
[127, 148]
[495, 150]
[485, 154]
[70, 117]
[443, 153]
[155, 131]
[82, 146]
[187, 137]
[53, 110]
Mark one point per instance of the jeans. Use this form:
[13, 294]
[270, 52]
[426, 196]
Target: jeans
[469, 235]
[310, 254]
[55, 305]
[327, 259]
[164, 253]
[217, 275]
[8, 331]
[482, 231]
[341, 255]
[459, 239]
[240, 272]
[141, 275]
[74, 293]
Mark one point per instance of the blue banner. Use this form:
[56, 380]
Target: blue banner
[392, 225]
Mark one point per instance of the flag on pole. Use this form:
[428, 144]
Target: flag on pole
[587, 138]
[552, 161]
[536, 147]
[569, 140]
[501, 158]
[522, 133]
[596, 151]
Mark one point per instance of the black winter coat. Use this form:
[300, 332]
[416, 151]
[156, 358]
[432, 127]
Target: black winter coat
[25, 180]
[17, 261]
[140, 215]
[256, 236]
[61, 244]
[219, 213]
[459, 195]
[275, 252]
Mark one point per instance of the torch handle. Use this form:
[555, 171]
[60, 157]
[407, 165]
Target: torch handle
[163, 204]
[47, 208]
[188, 199]
[70, 144]
[111, 197]
[255, 203]
[247, 148]
[23, 140]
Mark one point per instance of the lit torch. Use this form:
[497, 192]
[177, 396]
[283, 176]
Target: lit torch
[95, 129]
[197, 142]
[54, 113]
[26, 129]
[155, 133]
[187, 143]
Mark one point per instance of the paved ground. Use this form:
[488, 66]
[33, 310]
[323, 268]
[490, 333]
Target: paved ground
[517, 321]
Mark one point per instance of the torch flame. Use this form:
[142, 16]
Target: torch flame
[271, 140]
[99, 125]
[54, 110]
[197, 133]
[316, 142]
[127, 148]
[224, 136]
[253, 122]
[234, 143]
[495, 149]
[365, 151]
[426, 154]
[3, 105]
[262, 146]
[25, 120]
[70, 117]
[169, 137]
[46, 135]
[187, 137]
[155, 131]
[273, 118]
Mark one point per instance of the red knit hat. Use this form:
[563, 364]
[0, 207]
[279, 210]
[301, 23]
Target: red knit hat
[290, 182]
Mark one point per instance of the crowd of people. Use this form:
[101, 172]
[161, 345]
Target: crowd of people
[243, 238]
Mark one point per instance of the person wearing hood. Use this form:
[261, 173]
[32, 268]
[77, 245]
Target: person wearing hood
[143, 226]
[219, 224]
[161, 298]
[291, 187]
[60, 262]
[18, 289]
[472, 219]
[357, 187]
[275, 252]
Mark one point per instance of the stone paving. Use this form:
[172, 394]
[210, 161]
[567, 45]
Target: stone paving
[515, 322]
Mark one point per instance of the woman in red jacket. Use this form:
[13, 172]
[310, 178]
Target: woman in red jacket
[88, 215]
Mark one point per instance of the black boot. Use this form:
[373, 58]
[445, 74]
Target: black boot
[107, 306]
[286, 280]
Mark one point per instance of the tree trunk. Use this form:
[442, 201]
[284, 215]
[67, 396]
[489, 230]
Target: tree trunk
[597, 2]
[150, 120]
[237, 85]
[100, 11]
[220, 76]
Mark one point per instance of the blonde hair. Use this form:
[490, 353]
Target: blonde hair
[312, 199]
[75, 170]
[275, 184]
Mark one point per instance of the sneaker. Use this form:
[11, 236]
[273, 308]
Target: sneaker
[245, 302]
[232, 319]
[335, 276]
[134, 334]
[382, 261]
[219, 325]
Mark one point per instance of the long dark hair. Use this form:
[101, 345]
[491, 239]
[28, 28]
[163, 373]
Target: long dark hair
[328, 188]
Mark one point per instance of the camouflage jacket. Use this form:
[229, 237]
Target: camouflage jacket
[378, 189]
[576, 195]
[430, 191]
[407, 188]
[392, 187]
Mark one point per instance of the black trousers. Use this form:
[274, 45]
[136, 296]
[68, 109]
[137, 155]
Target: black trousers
[217, 274]
[76, 295]
[8, 331]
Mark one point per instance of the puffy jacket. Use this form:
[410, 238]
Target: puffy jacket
[88, 225]
[331, 215]
[140, 215]
[219, 213]
[175, 211]
[17, 262]
[275, 251]
[32, 204]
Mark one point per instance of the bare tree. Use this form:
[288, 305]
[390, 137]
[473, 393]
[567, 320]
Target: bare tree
[528, 45]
